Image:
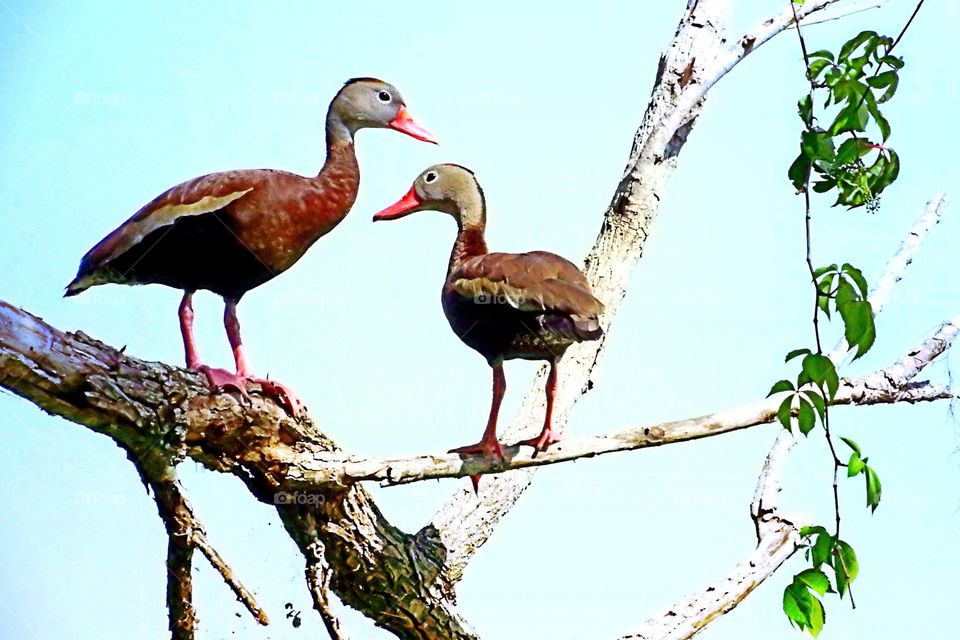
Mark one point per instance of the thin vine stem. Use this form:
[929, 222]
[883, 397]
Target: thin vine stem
[816, 298]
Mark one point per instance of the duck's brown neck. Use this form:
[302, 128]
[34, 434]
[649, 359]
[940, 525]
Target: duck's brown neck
[469, 244]
[470, 210]
[339, 179]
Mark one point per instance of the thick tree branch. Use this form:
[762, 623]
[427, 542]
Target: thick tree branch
[693, 61]
[161, 414]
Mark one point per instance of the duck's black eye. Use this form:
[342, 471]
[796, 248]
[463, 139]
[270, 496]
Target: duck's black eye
[384, 97]
[430, 177]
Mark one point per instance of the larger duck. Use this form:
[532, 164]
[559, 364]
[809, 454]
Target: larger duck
[230, 232]
[503, 305]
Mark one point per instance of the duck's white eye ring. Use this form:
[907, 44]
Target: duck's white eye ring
[430, 177]
[384, 97]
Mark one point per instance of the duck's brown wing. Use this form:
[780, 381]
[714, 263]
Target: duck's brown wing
[538, 282]
[200, 196]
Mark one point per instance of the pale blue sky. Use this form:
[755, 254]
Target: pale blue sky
[105, 105]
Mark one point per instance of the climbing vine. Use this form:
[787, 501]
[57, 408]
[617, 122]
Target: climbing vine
[842, 152]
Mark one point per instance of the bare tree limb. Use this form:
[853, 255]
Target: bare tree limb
[199, 540]
[846, 11]
[174, 512]
[777, 540]
[318, 580]
[692, 63]
[184, 534]
[882, 387]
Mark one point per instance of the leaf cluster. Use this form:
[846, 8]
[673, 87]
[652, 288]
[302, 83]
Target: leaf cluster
[841, 155]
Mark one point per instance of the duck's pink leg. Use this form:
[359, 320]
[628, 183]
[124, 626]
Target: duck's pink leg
[186, 330]
[488, 444]
[281, 392]
[218, 379]
[546, 437]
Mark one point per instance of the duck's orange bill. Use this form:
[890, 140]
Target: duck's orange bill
[404, 206]
[404, 122]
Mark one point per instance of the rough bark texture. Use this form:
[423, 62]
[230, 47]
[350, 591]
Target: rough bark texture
[160, 414]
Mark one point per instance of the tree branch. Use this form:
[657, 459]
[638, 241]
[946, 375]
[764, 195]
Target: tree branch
[887, 386]
[777, 540]
[318, 580]
[174, 512]
[160, 414]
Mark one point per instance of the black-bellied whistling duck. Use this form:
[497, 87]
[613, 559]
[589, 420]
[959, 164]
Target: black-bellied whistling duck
[503, 305]
[230, 232]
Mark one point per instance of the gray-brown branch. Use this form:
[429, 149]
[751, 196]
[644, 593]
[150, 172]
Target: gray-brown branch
[891, 385]
[160, 414]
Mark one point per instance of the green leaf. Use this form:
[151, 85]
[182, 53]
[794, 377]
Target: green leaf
[825, 185]
[845, 293]
[780, 386]
[791, 605]
[857, 276]
[805, 107]
[817, 145]
[864, 37]
[817, 273]
[799, 171]
[809, 530]
[892, 61]
[888, 79]
[850, 443]
[822, 550]
[796, 352]
[783, 412]
[855, 465]
[845, 566]
[832, 78]
[818, 367]
[852, 117]
[818, 402]
[873, 488]
[882, 123]
[892, 169]
[815, 579]
[822, 53]
[858, 326]
[852, 150]
[806, 419]
[825, 290]
[816, 68]
[803, 608]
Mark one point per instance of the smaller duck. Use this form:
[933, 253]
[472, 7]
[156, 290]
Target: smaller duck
[531, 305]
